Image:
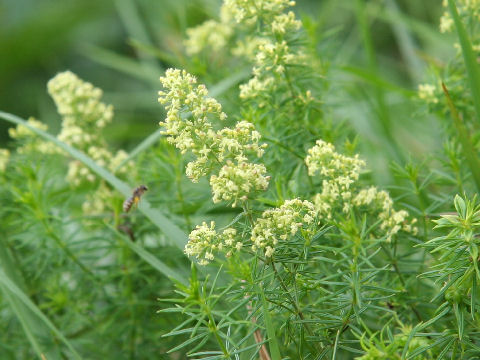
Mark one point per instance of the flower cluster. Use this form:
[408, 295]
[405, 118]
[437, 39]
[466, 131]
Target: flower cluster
[240, 141]
[391, 221]
[338, 173]
[83, 118]
[248, 46]
[284, 23]
[211, 34]
[251, 11]
[427, 93]
[236, 181]
[188, 127]
[184, 97]
[273, 55]
[83, 114]
[205, 241]
[4, 157]
[271, 59]
[281, 223]
[270, 51]
[30, 142]
[466, 8]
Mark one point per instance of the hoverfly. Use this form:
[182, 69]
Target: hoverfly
[135, 198]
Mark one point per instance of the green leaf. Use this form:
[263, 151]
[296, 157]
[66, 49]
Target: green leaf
[122, 64]
[473, 297]
[20, 295]
[172, 231]
[152, 260]
[460, 205]
[469, 57]
[272, 337]
[464, 138]
[460, 320]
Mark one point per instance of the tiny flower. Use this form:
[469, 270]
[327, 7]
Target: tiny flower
[205, 241]
[282, 223]
[427, 92]
[4, 157]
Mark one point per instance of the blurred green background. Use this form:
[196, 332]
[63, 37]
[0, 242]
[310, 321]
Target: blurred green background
[123, 46]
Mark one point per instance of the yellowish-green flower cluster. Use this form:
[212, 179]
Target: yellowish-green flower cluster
[271, 58]
[251, 11]
[236, 181]
[240, 141]
[205, 241]
[282, 223]
[270, 52]
[273, 55]
[340, 174]
[30, 142]
[248, 47]
[228, 147]
[465, 8]
[184, 95]
[211, 34]
[4, 157]
[427, 92]
[97, 201]
[84, 117]
[83, 114]
[392, 221]
[284, 23]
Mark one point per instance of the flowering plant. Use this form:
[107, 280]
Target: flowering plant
[268, 231]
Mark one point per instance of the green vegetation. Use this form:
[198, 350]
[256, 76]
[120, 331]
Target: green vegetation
[310, 177]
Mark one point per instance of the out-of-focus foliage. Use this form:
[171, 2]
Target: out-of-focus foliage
[299, 240]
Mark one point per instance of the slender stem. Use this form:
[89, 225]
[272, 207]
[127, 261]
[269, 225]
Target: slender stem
[65, 249]
[282, 145]
[247, 212]
[213, 328]
[295, 305]
[289, 83]
[400, 277]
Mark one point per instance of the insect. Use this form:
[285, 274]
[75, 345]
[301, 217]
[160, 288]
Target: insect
[135, 198]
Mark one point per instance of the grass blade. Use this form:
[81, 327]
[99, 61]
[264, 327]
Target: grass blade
[26, 321]
[467, 146]
[406, 43]
[30, 323]
[122, 64]
[272, 338]
[469, 57]
[10, 285]
[172, 231]
[152, 260]
[130, 16]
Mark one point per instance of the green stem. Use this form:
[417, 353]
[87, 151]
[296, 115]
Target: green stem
[282, 145]
[383, 113]
[298, 311]
[213, 327]
[66, 250]
[393, 261]
[467, 147]
[340, 331]
[289, 83]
